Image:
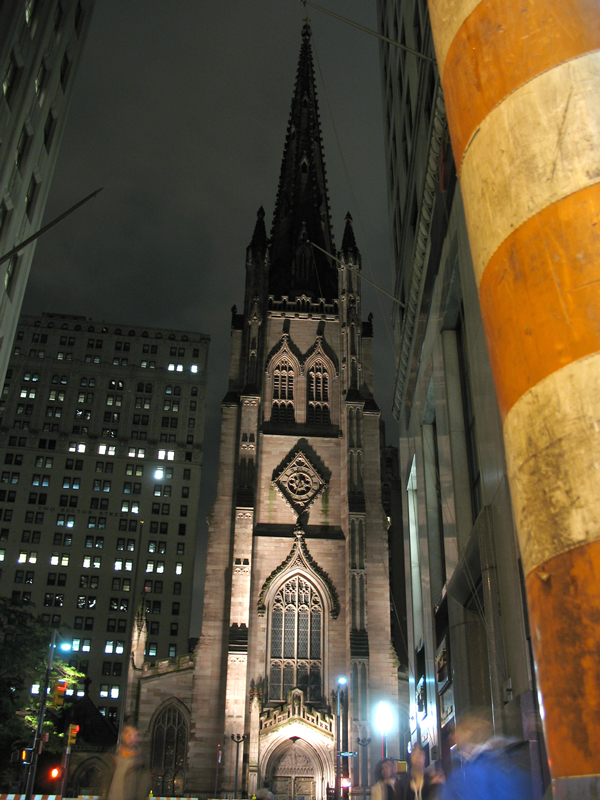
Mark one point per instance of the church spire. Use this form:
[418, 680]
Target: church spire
[302, 205]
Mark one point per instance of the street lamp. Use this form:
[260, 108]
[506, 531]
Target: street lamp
[238, 739]
[383, 722]
[364, 743]
[338, 772]
[31, 772]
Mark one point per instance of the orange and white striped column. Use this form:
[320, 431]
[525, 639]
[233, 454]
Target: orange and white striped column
[521, 81]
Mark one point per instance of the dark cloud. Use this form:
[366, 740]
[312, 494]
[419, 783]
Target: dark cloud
[179, 111]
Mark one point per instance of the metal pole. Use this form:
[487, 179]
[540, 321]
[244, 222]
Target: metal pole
[40, 721]
[47, 227]
[63, 780]
[218, 762]
[364, 743]
[338, 773]
[238, 740]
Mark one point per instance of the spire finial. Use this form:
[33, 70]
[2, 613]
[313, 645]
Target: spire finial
[348, 240]
[302, 205]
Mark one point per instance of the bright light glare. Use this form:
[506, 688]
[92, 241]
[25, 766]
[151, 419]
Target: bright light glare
[342, 681]
[65, 646]
[159, 473]
[383, 717]
[35, 688]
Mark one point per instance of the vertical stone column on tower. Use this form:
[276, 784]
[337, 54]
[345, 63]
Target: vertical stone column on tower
[207, 724]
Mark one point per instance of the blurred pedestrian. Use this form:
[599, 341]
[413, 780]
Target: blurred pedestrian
[385, 780]
[129, 777]
[265, 793]
[484, 768]
[419, 783]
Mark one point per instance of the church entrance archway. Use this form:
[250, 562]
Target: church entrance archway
[295, 771]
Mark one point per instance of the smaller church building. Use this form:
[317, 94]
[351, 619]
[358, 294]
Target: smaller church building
[297, 575]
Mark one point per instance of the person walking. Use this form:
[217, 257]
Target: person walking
[385, 780]
[128, 777]
[419, 783]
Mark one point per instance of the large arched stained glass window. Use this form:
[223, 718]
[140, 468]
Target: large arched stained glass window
[296, 640]
[169, 749]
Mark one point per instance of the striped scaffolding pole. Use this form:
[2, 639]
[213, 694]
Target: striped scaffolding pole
[521, 81]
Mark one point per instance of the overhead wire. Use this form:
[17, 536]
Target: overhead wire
[387, 325]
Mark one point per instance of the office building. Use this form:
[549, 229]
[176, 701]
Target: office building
[468, 638]
[101, 453]
[40, 50]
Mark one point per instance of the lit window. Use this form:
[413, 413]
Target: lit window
[118, 564]
[194, 368]
[152, 649]
[114, 692]
[171, 367]
[87, 562]
[119, 647]
[76, 644]
[54, 559]
[104, 689]
[160, 566]
[149, 566]
[109, 646]
[179, 568]
[86, 645]
[22, 557]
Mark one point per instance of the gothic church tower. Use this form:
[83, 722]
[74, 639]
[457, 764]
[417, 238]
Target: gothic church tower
[296, 590]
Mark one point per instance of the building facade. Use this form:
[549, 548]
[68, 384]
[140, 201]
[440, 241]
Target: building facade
[40, 51]
[468, 638]
[297, 576]
[101, 450]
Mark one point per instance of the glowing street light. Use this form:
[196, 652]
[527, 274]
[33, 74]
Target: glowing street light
[341, 681]
[384, 719]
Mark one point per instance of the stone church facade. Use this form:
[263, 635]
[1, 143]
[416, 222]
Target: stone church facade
[297, 572]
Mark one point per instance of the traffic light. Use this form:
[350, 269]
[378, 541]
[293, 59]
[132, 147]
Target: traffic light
[26, 755]
[55, 773]
[58, 692]
[73, 731]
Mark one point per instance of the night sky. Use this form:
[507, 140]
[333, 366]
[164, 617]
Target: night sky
[179, 111]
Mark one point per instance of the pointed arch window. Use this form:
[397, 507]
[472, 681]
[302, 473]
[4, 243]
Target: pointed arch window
[282, 409]
[296, 623]
[318, 394]
[169, 752]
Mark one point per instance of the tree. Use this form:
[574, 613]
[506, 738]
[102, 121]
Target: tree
[24, 643]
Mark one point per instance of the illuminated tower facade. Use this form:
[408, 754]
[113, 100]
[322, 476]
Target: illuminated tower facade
[297, 583]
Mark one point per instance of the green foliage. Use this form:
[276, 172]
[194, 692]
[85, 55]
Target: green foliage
[24, 646]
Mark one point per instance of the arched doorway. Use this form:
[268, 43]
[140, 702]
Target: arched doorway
[295, 772]
[90, 777]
